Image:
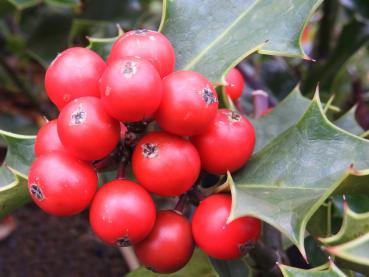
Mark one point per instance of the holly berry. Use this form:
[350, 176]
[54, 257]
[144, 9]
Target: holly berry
[86, 130]
[169, 246]
[217, 238]
[189, 104]
[122, 213]
[227, 144]
[165, 164]
[131, 89]
[74, 73]
[47, 139]
[235, 83]
[150, 45]
[60, 184]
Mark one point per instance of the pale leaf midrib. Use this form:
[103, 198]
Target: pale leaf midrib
[275, 187]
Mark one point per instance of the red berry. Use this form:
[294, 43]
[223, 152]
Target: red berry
[74, 73]
[165, 164]
[150, 45]
[227, 144]
[217, 238]
[60, 184]
[189, 103]
[235, 85]
[47, 139]
[169, 246]
[131, 89]
[122, 213]
[86, 130]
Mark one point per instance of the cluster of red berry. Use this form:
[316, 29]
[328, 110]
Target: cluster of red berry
[98, 104]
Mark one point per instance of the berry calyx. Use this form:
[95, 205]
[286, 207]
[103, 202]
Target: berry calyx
[131, 89]
[74, 73]
[235, 84]
[219, 239]
[165, 164]
[150, 45]
[169, 246]
[61, 184]
[86, 130]
[189, 104]
[122, 213]
[47, 139]
[227, 144]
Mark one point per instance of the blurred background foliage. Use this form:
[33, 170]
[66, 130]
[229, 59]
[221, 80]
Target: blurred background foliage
[32, 32]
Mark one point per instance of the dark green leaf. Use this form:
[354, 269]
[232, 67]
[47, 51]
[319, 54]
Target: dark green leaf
[353, 226]
[283, 116]
[198, 266]
[348, 122]
[232, 268]
[14, 171]
[212, 36]
[355, 251]
[315, 254]
[47, 30]
[328, 270]
[358, 203]
[23, 4]
[319, 224]
[64, 3]
[287, 181]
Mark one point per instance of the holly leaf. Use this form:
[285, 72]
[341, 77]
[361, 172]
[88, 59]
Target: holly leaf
[14, 171]
[198, 266]
[355, 251]
[231, 268]
[327, 270]
[350, 245]
[282, 117]
[288, 180]
[23, 4]
[348, 122]
[212, 47]
[353, 226]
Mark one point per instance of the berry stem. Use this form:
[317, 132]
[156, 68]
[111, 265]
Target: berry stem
[130, 257]
[137, 127]
[121, 172]
[195, 195]
[106, 162]
[181, 204]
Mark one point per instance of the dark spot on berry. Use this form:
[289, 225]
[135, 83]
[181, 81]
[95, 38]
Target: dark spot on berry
[79, 116]
[129, 69]
[141, 31]
[37, 192]
[150, 150]
[123, 242]
[208, 96]
[233, 116]
[246, 247]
